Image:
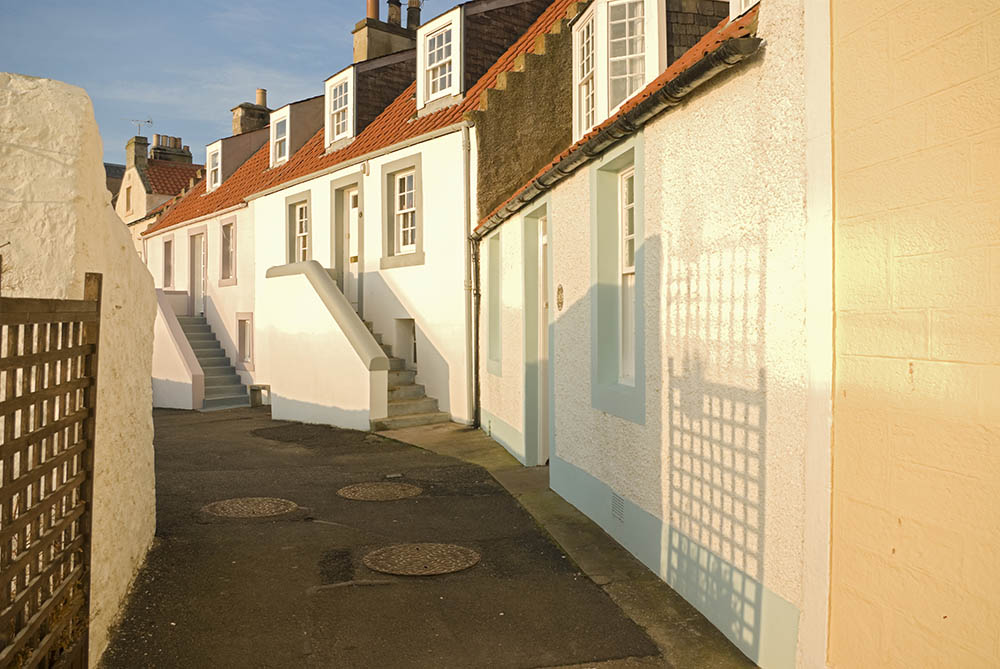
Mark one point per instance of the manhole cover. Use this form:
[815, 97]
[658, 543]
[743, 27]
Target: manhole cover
[250, 507]
[379, 492]
[421, 559]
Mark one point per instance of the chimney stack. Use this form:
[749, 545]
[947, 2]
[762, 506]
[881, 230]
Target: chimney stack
[395, 13]
[250, 116]
[135, 152]
[373, 9]
[413, 14]
[170, 148]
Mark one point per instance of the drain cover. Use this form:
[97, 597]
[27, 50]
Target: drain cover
[421, 559]
[379, 492]
[250, 507]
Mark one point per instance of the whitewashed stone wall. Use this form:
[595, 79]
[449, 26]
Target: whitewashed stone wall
[56, 214]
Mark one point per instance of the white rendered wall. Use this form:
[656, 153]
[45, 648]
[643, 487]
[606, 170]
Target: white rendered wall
[174, 364]
[502, 394]
[728, 301]
[57, 216]
[431, 294]
[313, 370]
[222, 302]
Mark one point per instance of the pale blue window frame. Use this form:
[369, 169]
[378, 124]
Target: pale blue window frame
[608, 393]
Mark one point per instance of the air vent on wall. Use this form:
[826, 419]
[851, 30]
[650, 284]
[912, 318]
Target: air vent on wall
[618, 507]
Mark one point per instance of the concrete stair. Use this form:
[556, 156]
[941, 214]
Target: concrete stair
[223, 387]
[409, 405]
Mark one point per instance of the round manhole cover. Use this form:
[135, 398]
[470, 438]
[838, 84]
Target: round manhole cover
[421, 559]
[250, 507]
[379, 491]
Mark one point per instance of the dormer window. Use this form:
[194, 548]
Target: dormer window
[439, 61]
[281, 140]
[340, 106]
[618, 48]
[627, 48]
[214, 170]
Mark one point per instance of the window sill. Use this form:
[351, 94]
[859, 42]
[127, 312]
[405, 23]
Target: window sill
[439, 103]
[494, 367]
[339, 143]
[403, 260]
[626, 402]
[224, 283]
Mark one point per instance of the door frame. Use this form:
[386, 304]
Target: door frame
[338, 227]
[203, 231]
[538, 446]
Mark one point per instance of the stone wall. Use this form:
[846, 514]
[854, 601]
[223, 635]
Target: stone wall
[916, 450]
[489, 34]
[526, 129]
[55, 212]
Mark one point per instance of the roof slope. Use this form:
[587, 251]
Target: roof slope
[167, 177]
[744, 26]
[398, 123]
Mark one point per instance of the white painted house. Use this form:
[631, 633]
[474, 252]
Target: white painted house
[656, 318]
[330, 270]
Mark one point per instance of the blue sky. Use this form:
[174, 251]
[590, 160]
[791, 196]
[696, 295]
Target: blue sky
[184, 64]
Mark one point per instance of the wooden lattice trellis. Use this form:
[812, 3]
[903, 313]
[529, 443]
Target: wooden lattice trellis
[48, 392]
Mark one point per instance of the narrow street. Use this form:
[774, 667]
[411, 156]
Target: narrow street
[292, 590]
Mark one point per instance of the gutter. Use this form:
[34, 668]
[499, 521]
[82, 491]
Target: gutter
[470, 380]
[730, 53]
[426, 137]
[191, 221]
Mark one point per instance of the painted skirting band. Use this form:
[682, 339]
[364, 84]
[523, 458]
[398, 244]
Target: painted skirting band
[759, 622]
[504, 434]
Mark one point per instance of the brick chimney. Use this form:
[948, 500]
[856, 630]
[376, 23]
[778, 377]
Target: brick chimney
[250, 116]
[413, 14]
[170, 148]
[374, 38]
[136, 151]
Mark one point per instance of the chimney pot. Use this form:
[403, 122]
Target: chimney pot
[372, 12]
[262, 97]
[395, 13]
[413, 14]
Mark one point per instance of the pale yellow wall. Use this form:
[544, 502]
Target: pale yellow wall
[916, 456]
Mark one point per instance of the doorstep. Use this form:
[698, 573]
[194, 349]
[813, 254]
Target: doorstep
[684, 636]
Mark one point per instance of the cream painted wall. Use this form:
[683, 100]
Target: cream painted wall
[178, 379]
[917, 421]
[736, 302]
[54, 177]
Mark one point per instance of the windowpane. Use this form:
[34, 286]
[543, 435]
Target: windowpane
[339, 108]
[586, 92]
[626, 46]
[228, 251]
[302, 250]
[439, 61]
[406, 215]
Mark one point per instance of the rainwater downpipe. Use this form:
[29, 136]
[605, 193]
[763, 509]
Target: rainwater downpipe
[471, 287]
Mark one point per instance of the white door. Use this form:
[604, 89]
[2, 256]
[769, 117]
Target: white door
[199, 273]
[353, 247]
[543, 341]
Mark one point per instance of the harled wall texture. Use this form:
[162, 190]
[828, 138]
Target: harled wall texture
[916, 455]
[55, 211]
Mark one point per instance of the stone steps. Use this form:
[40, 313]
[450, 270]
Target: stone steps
[223, 387]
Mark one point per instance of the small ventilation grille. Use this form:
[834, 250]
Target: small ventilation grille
[618, 507]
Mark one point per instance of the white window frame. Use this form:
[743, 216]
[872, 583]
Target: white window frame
[654, 60]
[230, 252]
[402, 213]
[440, 62]
[169, 264]
[301, 237]
[346, 80]
[628, 58]
[738, 8]
[585, 89]
[626, 314]
[278, 157]
[452, 21]
[214, 162]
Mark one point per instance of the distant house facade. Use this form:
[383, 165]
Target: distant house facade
[359, 206]
[152, 176]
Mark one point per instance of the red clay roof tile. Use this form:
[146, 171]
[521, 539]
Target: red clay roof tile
[396, 124]
[169, 178]
[744, 26]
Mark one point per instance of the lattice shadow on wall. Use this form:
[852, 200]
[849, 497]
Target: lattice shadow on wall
[717, 456]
